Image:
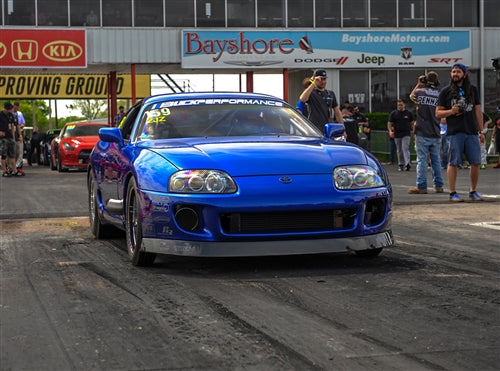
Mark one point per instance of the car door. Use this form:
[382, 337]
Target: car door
[115, 163]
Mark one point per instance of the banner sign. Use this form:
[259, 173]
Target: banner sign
[324, 49]
[70, 86]
[43, 48]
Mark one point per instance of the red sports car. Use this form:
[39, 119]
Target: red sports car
[71, 149]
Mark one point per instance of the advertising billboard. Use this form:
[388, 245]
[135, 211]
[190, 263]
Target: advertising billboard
[324, 49]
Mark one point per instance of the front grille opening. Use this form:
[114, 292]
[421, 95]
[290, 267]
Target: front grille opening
[84, 155]
[287, 221]
[375, 211]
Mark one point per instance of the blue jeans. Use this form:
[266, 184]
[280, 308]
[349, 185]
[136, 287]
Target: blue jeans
[392, 145]
[461, 143]
[432, 147]
[445, 147]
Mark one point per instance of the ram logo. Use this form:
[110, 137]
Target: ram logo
[406, 53]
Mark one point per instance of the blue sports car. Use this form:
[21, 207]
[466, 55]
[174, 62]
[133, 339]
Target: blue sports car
[234, 174]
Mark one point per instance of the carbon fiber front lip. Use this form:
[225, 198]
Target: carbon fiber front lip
[266, 248]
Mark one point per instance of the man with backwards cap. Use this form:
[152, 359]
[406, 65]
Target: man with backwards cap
[427, 132]
[7, 144]
[321, 103]
[459, 104]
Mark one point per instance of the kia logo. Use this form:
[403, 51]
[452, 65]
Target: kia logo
[285, 180]
[62, 51]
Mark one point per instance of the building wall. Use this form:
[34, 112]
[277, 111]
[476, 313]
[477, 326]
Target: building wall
[147, 33]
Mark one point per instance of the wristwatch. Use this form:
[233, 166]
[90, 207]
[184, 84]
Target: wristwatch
[484, 131]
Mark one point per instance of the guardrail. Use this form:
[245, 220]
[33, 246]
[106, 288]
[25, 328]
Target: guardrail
[380, 145]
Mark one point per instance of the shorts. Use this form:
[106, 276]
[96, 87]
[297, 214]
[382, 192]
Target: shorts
[467, 144]
[7, 148]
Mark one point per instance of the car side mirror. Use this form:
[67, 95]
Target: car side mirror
[112, 135]
[334, 131]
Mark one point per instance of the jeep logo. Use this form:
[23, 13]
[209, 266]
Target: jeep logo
[371, 59]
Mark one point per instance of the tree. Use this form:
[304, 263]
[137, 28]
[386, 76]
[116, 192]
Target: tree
[41, 113]
[91, 109]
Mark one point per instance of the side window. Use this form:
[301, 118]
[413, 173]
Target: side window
[128, 123]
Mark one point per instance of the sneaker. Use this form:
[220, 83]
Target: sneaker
[483, 166]
[474, 196]
[401, 168]
[456, 198]
[21, 171]
[439, 190]
[417, 191]
[497, 166]
[408, 167]
[17, 173]
[6, 174]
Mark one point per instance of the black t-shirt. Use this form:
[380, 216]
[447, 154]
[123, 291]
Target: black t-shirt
[6, 122]
[351, 130]
[427, 124]
[359, 117]
[320, 106]
[465, 122]
[401, 120]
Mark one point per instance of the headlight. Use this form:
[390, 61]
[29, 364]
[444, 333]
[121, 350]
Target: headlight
[68, 147]
[356, 177]
[201, 181]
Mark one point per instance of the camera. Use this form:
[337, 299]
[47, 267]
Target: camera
[495, 63]
[423, 80]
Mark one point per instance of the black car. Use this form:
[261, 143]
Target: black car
[45, 145]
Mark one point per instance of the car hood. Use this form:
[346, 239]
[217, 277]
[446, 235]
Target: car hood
[263, 157]
[82, 140]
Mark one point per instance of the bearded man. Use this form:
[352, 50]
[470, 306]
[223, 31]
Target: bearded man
[459, 103]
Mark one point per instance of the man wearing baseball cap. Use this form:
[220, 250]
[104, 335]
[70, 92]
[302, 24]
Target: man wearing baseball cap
[459, 103]
[322, 103]
[7, 144]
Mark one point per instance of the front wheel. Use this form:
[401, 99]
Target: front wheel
[98, 229]
[59, 165]
[133, 227]
[52, 162]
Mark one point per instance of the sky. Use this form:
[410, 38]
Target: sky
[263, 83]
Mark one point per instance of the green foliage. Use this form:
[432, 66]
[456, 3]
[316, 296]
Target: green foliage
[90, 109]
[378, 120]
[40, 112]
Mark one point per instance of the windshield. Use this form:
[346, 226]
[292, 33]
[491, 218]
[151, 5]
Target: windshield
[82, 131]
[216, 120]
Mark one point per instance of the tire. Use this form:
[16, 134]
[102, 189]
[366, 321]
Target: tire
[372, 253]
[133, 228]
[59, 165]
[53, 166]
[98, 229]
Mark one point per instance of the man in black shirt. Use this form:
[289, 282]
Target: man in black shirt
[322, 103]
[459, 103]
[427, 132]
[363, 126]
[7, 144]
[401, 123]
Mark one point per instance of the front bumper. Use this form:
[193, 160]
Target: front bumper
[268, 248]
